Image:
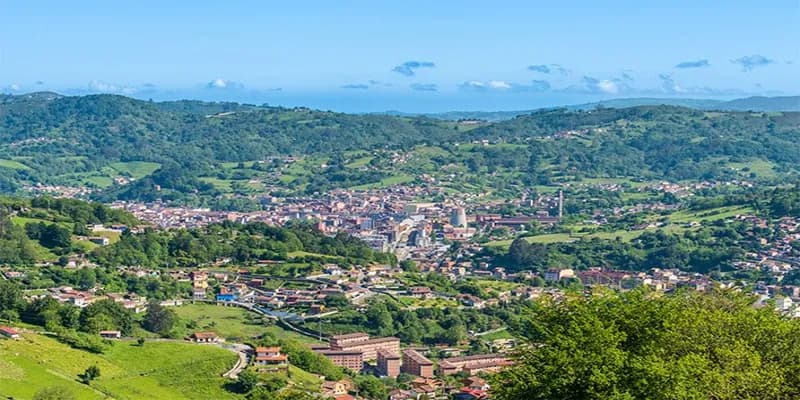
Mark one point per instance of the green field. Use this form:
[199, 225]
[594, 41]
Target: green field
[685, 216]
[136, 169]
[294, 254]
[625, 235]
[232, 323]
[427, 303]
[235, 165]
[221, 184]
[13, 164]
[677, 223]
[489, 284]
[113, 236]
[762, 168]
[612, 181]
[360, 162]
[158, 370]
[501, 334]
[386, 182]
[22, 221]
[304, 379]
[279, 332]
[99, 181]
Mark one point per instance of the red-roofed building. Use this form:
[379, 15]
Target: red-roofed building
[270, 356]
[9, 332]
[204, 337]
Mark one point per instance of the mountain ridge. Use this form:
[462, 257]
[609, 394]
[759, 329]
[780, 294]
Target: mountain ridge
[752, 103]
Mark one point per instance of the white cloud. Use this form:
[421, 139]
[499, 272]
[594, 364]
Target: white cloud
[608, 86]
[473, 85]
[503, 86]
[220, 83]
[499, 85]
[598, 86]
[106, 87]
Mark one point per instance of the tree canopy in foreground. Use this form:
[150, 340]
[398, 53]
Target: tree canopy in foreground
[642, 345]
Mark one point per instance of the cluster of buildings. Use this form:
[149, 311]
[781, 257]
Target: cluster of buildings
[82, 298]
[352, 350]
[357, 351]
[391, 219]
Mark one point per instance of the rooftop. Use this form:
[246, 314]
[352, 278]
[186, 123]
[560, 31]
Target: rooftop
[418, 358]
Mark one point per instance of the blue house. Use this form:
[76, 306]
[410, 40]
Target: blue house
[227, 297]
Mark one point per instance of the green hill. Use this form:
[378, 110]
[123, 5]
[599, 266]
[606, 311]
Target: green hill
[199, 153]
[166, 370]
[44, 228]
[754, 103]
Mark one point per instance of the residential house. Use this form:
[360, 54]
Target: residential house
[8, 332]
[270, 357]
[204, 337]
[557, 274]
[110, 334]
[420, 291]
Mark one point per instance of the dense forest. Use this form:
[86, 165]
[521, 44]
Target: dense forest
[46, 138]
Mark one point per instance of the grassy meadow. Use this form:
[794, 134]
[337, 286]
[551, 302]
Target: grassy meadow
[164, 370]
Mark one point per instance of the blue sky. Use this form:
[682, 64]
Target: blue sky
[416, 56]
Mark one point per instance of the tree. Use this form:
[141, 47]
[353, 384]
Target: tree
[91, 373]
[337, 301]
[106, 314]
[270, 387]
[380, 319]
[86, 279]
[9, 316]
[50, 235]
[247, 381]
[159, 319]
[370, 387]
[303, 358]
[54, 393]
[294, 394]
[409, 266]
[455, 334]
[10, 296]
[643, 345]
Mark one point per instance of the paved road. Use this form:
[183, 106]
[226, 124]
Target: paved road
[244, 352]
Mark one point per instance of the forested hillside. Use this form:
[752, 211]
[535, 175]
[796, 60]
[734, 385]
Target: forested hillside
[185, 147]
[44, 228]
[652, 142]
